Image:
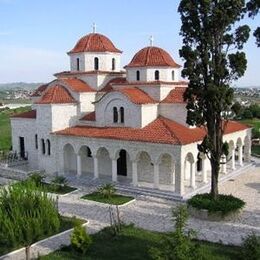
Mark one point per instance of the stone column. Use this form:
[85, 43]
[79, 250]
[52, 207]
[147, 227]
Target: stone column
[96, 174]
[204, 171]
[114, 170]
[156, 176]
[233, 160]
[240, 155]
[134, 176]
[179, 178]
[192, 175]
[79, 165]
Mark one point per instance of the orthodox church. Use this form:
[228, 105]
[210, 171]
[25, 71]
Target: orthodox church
[126, 125]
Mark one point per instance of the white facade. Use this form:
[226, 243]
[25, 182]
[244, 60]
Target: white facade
[173, 167]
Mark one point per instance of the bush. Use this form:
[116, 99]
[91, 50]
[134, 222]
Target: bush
[251, 247]
[107, 190]
[178, 245]
[80, 239]
[224, 203]
[59, 181]
[37, 178]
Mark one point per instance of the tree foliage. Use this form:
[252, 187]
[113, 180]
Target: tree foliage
[212, 50]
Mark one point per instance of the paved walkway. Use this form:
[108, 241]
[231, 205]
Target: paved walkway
[155, 214]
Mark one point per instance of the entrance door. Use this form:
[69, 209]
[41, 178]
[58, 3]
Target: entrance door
[22, 149]
[121, 163]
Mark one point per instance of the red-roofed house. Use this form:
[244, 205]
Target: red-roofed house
[129, 126]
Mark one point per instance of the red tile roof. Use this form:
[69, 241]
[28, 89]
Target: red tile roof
[39, 90]
[108, 86]
[94, 42]
[77, 85]
[29, 114]
[93, 72]
[175, 96]
[152, 57]
[56, 95]
[89, 117]
[161, 130]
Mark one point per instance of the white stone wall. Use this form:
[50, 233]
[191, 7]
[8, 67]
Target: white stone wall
[149, 113]
[147, 74]
[176, 112]
[87, 61]
[157, 92]
[25, 128]
[86, 100]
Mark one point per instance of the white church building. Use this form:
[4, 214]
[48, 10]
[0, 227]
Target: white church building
[126, 125]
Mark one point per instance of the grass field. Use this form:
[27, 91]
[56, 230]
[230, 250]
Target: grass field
[5, 127]
[134, 243]
[255, 122]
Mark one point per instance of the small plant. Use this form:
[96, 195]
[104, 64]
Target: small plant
[37, 178]
[178, 245]
[251, 247]
[59, 181]
[80, 239]
[107, 190]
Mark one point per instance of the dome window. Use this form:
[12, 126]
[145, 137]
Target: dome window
[137, 75]
[77, 64]
[173, 75]
[122, 114]
[48, 147]
[113, 64]
[96, 63]
[157, 75]
[115, 115]
[43, 146]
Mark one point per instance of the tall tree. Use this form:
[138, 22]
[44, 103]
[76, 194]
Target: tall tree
[212, 45]
[253, 7]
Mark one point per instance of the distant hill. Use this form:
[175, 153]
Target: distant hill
[19, 85]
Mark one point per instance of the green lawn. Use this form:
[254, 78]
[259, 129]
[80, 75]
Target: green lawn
[66, 223]
[134, 243]
[255, 122]
[5, 127]
[48, 187]
[256, 149]
[115, 199]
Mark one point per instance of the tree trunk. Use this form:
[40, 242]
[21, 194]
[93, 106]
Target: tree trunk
[27, 252]
[214, 178]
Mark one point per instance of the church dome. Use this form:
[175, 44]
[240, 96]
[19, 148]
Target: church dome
[152, 57]
[94, 42]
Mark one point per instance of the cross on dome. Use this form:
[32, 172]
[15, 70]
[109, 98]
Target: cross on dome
[151, 40]
[94, 27]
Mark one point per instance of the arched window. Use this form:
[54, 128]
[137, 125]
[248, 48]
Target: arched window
[43, 146]
[89, 154]
[173, 75]
[199, 163]
[122, 114]
[78, 64]
[48, 147]
[36, 141]
[137, 75]
[96, 63]
[115, 115]
[113, 64]
[157, 75]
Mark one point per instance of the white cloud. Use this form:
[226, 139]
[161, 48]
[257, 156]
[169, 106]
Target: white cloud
[30, 64]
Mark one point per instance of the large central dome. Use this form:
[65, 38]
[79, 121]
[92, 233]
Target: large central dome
[94, 42]
[152, 57]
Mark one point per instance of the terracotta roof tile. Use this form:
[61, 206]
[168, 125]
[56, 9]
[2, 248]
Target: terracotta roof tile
[77, 85]
[29, 114]
[175, 96]
[94, 42]
[108, 86]
[56, 95]
[89, 117]
[161, 130]
[38, 92]
[152, 57]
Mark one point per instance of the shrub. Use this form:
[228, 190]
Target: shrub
[80, 239]
[59, 181]
[178, 245]
[107, 190]
[26, 215]
[224, 203]
[37, 178]
[251, 247]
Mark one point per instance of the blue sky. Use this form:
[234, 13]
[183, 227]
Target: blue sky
[36, 34]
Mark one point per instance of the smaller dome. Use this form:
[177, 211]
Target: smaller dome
[94, 42]
[152, 57]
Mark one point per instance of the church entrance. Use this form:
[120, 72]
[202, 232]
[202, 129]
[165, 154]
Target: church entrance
[121, 163]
